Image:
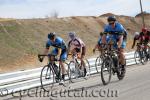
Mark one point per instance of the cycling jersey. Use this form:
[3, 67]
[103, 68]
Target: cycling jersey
[58, 43]
[144, 38]
[115, 32]
[76, 43]
[118, 28]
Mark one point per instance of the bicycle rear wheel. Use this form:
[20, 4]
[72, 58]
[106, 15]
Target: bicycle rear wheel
[137, 57]
[121, 72]
[47, 78]
[106, 70]
[98, 64]
[88, 67]
[67, 79]
[143, 57]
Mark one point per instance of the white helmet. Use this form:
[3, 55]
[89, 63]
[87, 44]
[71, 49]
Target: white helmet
[72, 35]
[136, 34]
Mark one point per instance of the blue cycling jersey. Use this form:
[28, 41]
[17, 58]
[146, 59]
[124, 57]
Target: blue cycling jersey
[58, 43]
[118, 28]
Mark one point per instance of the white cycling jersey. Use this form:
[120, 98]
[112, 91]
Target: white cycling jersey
[76, 43]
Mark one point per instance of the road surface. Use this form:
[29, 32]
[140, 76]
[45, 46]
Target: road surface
[135, 86]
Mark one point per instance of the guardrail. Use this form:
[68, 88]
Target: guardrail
[23, 80]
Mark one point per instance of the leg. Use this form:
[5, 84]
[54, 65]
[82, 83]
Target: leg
[82, 56]
[121, 53]
[122, 56]
[63, 57]
[82, 59]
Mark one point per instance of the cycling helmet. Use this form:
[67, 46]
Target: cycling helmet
[136, 34]
[72, 35]
[144, 29]
[51, 35]
[111, 18]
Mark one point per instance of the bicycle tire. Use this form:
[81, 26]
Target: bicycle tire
[72, 71]
[121, 74]
[108, 61]
[47, 81]
[88, 67]
[137, 57]
[98, 63]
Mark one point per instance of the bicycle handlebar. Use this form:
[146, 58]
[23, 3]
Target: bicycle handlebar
[49, 56]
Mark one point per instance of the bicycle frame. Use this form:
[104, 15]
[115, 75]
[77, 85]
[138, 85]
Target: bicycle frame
[51, 62]
[74, 59]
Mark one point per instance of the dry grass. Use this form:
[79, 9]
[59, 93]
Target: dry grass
[22, 40]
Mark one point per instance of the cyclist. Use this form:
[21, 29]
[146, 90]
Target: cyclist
[59, 50]
[99, 43]
[143, 38]
[119, 37]
[76, 45]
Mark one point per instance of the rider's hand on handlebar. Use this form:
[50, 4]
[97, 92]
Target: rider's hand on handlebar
[41, 59]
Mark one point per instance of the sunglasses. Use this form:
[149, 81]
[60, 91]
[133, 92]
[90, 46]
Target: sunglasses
[111, 22]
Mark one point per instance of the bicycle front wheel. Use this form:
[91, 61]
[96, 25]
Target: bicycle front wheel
[106, 70]
[73, 71]
[47, 78]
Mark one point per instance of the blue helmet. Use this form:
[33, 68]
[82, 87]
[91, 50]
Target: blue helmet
[51, 35]
[111, 18]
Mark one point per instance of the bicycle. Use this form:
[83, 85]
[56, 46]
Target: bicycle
[76, 70]
[111, 64]
[141, 54]
[50, 73]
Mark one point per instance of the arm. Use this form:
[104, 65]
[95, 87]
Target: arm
[120, 41]
[59, 52]
[45, 52]
[68, 49]
[104, 39]
[104, 35]
[134, 41]
[96, 46]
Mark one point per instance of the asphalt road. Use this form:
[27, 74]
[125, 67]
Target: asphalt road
[135, 86]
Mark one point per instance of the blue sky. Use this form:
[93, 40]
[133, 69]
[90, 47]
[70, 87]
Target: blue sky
[42, 8]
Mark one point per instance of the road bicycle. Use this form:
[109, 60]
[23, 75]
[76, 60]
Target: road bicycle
[76, 69]
[142, 54]
[51, 73]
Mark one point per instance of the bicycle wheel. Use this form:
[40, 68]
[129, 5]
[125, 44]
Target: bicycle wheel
[88, 67]
[136, 57]
[143, 57]
[98, 64]
[148, 54]
[47, 78]
[66, 65]
[73, 71]
[106, 70]
[121, 72]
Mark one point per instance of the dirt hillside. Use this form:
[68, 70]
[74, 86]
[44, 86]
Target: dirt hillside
[22, 39]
